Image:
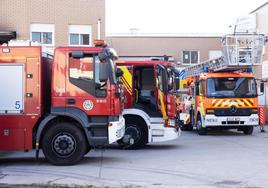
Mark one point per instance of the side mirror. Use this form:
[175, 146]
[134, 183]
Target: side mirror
[262, 87]
[104, 72]
[77, 54]
[107, 53]
[119, 72]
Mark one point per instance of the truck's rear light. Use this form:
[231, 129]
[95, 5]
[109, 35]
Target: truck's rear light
[5, 50]
[99, 43]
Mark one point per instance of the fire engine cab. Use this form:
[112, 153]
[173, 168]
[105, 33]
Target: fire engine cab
[149, 108]
[64, 106]
[223, 91]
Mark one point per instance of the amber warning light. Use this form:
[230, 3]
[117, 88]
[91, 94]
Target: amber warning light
[99, 43]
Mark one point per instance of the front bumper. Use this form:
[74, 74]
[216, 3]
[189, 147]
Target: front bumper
[213, 121]
[116, 130]
[160, 133]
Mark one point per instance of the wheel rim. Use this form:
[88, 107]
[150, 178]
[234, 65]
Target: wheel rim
[64, 145]
[133, 132]
[198, 125]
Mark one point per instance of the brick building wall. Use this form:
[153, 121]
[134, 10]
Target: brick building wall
[18, 15]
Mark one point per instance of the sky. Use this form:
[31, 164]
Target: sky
[175, 16]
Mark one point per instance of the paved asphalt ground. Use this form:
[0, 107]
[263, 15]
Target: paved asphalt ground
[220, 159]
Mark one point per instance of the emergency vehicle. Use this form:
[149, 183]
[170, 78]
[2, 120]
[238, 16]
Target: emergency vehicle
[223, 91]
[149, 108]
[64, 106]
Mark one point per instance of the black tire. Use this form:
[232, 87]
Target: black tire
[190, 127]
[64, 144]
[186, 127]
[134, 128]
[248, 130]
[200, 129]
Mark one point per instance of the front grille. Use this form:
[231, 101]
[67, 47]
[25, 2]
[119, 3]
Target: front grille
[227, 112]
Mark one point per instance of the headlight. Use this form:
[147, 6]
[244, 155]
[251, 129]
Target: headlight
[253, 119]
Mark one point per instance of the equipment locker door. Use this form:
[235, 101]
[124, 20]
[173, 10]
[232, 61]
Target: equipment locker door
[12, 88]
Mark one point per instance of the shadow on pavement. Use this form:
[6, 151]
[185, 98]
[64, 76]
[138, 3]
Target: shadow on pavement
[42, 161]
[231, 132]
[155, 146]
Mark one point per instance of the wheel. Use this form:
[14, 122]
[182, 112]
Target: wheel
[248, 130]
[186, 127]
[136, 134]
[64, 144]
[200, 129]
[190, 127]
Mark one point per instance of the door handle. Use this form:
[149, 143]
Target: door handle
[70, 101]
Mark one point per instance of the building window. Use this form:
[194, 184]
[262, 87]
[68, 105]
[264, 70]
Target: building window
[42, 37]
[80, 35]
[190, 57]
[213, 54]
[43, 33]
[79, 39]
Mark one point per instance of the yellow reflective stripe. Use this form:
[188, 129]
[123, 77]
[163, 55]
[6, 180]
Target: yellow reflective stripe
[214, 102]
[246, 102]
[126, 86]
[12, 57]
[234, 103]
[127, 78]
[162, 104]
[218, 102]
[187, 119]
[240, 103]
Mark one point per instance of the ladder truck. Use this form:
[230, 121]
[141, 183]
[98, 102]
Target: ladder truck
[64, 106]
[149, 106]
[222, 93]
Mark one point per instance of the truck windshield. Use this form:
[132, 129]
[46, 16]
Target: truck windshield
[231, 87]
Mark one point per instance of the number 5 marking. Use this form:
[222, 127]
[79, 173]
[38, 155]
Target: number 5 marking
[17, 105]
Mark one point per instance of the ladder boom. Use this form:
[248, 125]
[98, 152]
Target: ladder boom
[240, 51]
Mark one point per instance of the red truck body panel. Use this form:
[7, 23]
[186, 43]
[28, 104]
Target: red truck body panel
[20, 126]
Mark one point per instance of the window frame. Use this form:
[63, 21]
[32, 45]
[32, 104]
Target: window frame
[190, 56]
[80, 39]
[91, 87]
[80, 30]
[42, 29]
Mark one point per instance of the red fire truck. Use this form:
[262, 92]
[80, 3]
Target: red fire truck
[64, 106]
[149, 108]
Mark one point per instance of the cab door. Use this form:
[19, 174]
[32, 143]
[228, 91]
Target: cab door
[84, 89]
[161, 89]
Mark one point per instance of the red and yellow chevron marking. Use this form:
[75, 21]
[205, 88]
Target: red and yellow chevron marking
[201, 104]
[187, 119]
[126, 79]
[226, 103]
